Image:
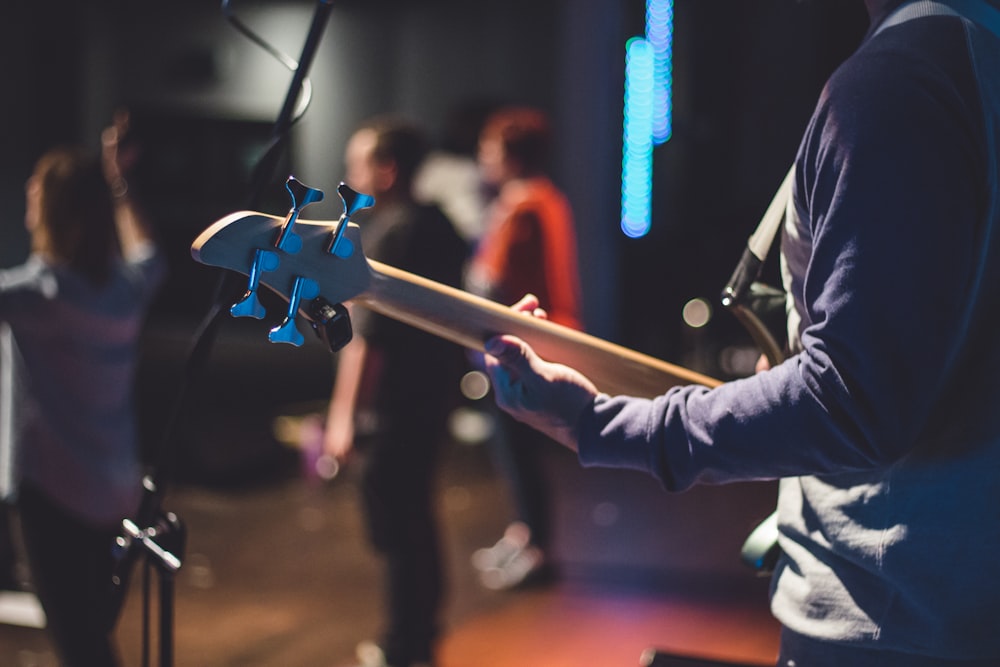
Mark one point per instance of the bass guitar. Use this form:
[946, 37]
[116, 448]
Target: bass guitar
[315, 266]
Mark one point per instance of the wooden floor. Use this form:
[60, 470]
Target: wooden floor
[277, 573]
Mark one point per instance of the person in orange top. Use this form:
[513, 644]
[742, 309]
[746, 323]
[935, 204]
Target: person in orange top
[528, 246]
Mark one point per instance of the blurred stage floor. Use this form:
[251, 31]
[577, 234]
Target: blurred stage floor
[277, 573]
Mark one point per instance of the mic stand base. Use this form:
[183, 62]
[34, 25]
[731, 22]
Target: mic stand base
[162, 544]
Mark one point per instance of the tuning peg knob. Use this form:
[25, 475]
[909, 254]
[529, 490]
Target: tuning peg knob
[353, 201]
[302, 195]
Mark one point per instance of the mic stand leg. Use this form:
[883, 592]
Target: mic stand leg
[161, 543]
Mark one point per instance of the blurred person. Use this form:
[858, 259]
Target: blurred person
[407, 381]
[71, 317]
[882, 425]
[449, 175]
[529, 245]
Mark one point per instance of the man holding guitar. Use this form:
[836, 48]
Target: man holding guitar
[883, 425]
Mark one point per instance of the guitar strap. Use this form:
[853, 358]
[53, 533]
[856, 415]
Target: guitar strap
[760, 242]
[977, 11]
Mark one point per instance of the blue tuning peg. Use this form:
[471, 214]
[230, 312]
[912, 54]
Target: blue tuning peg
[249, 305]
[302, 195]
[353, 201]
[287, 332]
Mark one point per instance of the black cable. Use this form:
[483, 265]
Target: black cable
[207, 329]
[150, 513]
[290, 63]
[300, 91]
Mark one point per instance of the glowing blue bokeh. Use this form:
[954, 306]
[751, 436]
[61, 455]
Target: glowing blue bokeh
[660, 34]
[637, 158]
[648, 116]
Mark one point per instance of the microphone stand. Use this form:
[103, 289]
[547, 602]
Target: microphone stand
[161, 535]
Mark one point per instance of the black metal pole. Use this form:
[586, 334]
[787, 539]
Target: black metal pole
[154, 483]
[265, 168]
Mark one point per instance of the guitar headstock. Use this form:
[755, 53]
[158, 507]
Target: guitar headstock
[314, 265]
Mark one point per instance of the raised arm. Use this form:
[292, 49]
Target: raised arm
[134, 231]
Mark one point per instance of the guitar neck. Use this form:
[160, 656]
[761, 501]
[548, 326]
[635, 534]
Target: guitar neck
[469, 321]
[237, 242]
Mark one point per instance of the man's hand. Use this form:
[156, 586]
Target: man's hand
[546, 396]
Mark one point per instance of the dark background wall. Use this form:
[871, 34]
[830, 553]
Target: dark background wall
[204, 98]
[745, 76]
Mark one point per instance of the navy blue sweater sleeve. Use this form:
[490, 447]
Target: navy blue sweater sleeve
[889, 186]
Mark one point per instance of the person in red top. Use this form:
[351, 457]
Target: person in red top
[529, 243]
[528, 246]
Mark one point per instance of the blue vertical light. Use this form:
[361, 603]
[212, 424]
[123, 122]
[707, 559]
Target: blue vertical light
[648, 113]
[637, 159]
[660, 34]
